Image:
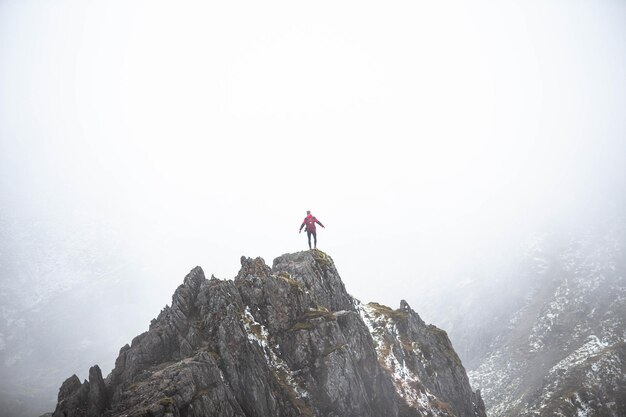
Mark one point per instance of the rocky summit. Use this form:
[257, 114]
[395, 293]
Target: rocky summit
[282, 341]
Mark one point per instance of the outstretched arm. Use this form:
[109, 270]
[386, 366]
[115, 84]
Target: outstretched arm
[320, 223]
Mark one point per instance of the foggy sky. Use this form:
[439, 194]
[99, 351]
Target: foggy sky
[425, 136]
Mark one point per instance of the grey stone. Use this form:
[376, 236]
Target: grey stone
[284, 341]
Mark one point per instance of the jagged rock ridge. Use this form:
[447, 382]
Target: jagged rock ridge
[281, 341]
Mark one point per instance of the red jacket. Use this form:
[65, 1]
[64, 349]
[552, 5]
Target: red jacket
[309, 222]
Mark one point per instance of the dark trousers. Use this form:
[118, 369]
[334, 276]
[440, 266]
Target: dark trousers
[308, 235]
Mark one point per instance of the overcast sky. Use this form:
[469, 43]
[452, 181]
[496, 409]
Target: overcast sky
[424, 135]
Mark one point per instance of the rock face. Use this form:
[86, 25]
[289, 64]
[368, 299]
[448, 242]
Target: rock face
[281, 341]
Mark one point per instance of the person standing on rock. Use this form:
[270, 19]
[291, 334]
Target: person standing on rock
[309, 222]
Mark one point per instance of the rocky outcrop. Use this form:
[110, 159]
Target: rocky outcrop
[89, 398]
[281, 341]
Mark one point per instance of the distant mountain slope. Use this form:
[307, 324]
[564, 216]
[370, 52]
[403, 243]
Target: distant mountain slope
[281, 341]
[55, 281]
[564, 351]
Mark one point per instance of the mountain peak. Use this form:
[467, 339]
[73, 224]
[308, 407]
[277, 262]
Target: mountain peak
[194, 278]
[281, 341]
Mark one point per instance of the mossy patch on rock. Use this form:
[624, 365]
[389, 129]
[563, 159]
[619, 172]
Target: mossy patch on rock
[322, 258]
[285, 276]
[167, 401]
[383, 310]
[440, 334]
[213, 354]
[256, 330]
[142, 412]
[443, 406]
[452, 356]
[315, 313]
[301, 326]
[333, 348]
